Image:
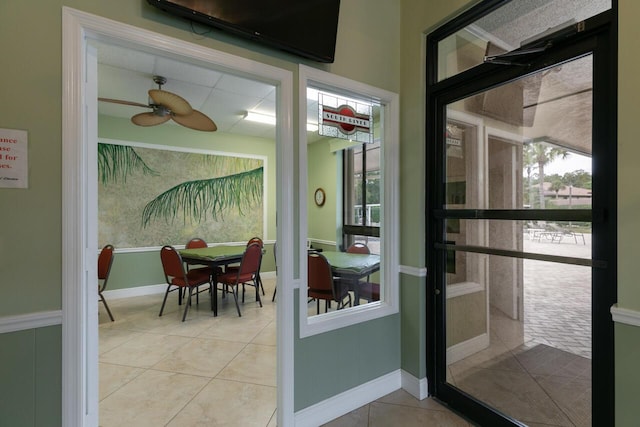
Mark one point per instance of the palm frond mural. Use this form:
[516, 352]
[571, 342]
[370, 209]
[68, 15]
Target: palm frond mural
[198, 198]
[171, 195]
[221, 165]
[117, 162]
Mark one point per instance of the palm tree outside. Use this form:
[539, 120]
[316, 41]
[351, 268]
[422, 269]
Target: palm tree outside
[542, 154]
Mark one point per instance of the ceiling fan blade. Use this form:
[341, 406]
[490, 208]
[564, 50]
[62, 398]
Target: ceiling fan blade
[175, 103]
[196, 120]
[120, 101]
[149, 119]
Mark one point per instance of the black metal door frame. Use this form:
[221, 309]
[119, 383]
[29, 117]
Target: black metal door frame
[599, 38]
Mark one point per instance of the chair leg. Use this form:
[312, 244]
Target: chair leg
[188, 303]
[106, 306]
[260, 281]
[235, 296]
[164, 301]
[273, 298]
[258, 293]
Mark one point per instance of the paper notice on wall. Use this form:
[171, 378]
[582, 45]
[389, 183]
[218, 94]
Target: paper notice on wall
[14, 169]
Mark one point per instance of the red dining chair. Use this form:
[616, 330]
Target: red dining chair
[178, 278]
[247, 274]
[369, 291]
[231, 268]
[358, 248]
[322, 286]
[105, 260]
[197, 243]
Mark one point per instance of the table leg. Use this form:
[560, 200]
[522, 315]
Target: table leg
[214, 292]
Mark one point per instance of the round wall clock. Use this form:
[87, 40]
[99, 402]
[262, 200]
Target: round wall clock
[319, 197]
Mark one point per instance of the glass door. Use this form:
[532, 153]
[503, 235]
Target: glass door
[514, 271]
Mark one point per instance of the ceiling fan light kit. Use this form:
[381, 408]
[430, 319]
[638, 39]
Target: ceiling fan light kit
[165, 106]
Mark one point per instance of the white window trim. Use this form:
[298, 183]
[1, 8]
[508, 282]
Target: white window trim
[389, 270]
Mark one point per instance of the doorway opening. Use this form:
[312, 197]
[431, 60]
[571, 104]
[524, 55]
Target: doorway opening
[80, 319]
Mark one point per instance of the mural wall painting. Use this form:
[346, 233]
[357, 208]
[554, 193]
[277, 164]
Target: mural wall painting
[151, 197]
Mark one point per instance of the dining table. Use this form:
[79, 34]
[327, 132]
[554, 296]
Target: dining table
[213, 257]
[352, 268]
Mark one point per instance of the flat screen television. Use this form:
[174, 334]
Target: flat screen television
[307, 28]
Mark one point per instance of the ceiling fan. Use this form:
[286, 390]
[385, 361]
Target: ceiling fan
[165, 106]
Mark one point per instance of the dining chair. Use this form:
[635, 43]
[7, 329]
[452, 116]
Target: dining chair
[369, 291]
[105, 260]
[321, 284]
[359, 248]
[178, 278]
[231, 268]
[197, 243]
[246, 274]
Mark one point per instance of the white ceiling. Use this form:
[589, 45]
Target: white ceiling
[127, 75]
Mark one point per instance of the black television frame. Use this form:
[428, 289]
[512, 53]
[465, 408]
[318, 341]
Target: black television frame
[176, 9]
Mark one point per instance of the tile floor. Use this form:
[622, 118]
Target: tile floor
[158, 371]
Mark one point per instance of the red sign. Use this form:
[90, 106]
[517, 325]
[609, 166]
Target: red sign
[346, 119]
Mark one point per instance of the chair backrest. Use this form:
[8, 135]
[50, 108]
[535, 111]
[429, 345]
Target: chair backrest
[255, 240]
[251, 259]
[105, 259]
[358, 248]
[171, 262]
[319, 276]
[195, 243]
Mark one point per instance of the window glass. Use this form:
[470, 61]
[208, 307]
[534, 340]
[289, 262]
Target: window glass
[351, 157]
[515, 24]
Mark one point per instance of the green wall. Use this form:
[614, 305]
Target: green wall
[418, 17]
[627, 351]
[31, 379]
[31, 88]
[381, 43]
[322, 172]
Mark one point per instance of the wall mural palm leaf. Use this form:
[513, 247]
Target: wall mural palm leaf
[117, 162]
[199, 198]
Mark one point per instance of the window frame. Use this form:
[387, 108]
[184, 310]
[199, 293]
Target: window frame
[351, 230]
[389, 268]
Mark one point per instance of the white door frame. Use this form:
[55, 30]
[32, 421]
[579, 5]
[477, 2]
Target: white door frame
[79, 204]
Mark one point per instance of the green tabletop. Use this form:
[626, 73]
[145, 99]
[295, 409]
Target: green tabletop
[352, 264]
[213, 253]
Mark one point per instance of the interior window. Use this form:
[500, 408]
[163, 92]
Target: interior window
[351, 221]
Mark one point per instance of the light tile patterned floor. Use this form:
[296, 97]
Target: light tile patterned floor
[159, 371]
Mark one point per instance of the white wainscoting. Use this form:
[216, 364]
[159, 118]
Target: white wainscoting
[23, 322]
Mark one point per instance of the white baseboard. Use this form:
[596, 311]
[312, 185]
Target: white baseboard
[418, 388]
[337, 406]
[343, 403]
[467, 348]
[139, 291]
